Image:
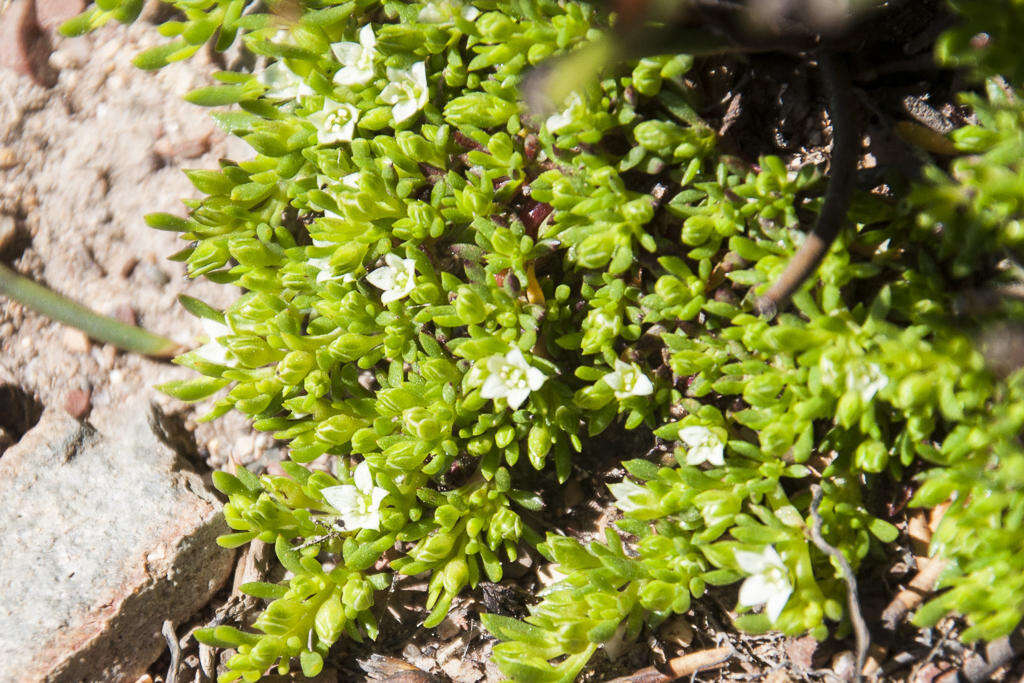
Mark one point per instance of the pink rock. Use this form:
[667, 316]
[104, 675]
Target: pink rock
[24, 46]
[53, 13]
[104, 537]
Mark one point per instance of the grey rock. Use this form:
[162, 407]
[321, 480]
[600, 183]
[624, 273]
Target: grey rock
[104, 536]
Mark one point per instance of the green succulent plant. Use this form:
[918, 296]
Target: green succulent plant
[443, 290]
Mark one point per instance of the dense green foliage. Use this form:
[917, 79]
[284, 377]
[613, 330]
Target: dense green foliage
[452, 291]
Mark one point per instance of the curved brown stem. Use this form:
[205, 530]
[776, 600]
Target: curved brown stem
[845, 139]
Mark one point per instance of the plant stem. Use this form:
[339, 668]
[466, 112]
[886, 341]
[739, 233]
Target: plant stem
[99, 327]
[845, 140]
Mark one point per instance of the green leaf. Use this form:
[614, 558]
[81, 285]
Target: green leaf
[194, 389]
[220, 95]
[263, 590]
[235, 540]
[288, 556]
[159, 56]
[506, 628]
[883, 531]
[330, 619]
[312, 664]
[166, 221]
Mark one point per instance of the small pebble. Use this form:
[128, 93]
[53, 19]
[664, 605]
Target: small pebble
[126, 314]
[243, 448]
[447, 629]
[8, 158]
[844, 665]
[109, 353]
[8, 231]
[75, 341]
[78, 403]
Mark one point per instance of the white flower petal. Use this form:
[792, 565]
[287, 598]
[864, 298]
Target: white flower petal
[390, 295]
[366, 37]
[364, 520]
[213, 352]
[363, 478]
[616, 381]
[352, 75]
[493, 387]
[214, 329]
[346, 52]
[382, 278]
[516, 397]
[776, 602]
[751, 563]
[495, 364]
[694, 457]
[642, 386]
[515, 358]
[625, 492]
[694, 435]
[535, 378]
[419, 78]
[404, 110]
[756, 590]
[343, 498]
[377, 496]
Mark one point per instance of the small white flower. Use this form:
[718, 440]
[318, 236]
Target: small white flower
[868, 382]
[336, 122]
[358, 505]
[627, 380]
[356, 58]
[574, 109]
[283, 83]
[443, 12]
[702, 446]
[406, 91]
[397, 278]
[510, 377]
[626, 494]
[212, 350]
[768, 583]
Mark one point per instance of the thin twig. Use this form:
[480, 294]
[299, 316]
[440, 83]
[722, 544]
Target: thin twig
[860, 629]
[845, 139]
[172, 645]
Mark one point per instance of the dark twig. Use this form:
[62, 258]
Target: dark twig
[845, 139]
[172, 645]
[860, 629]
